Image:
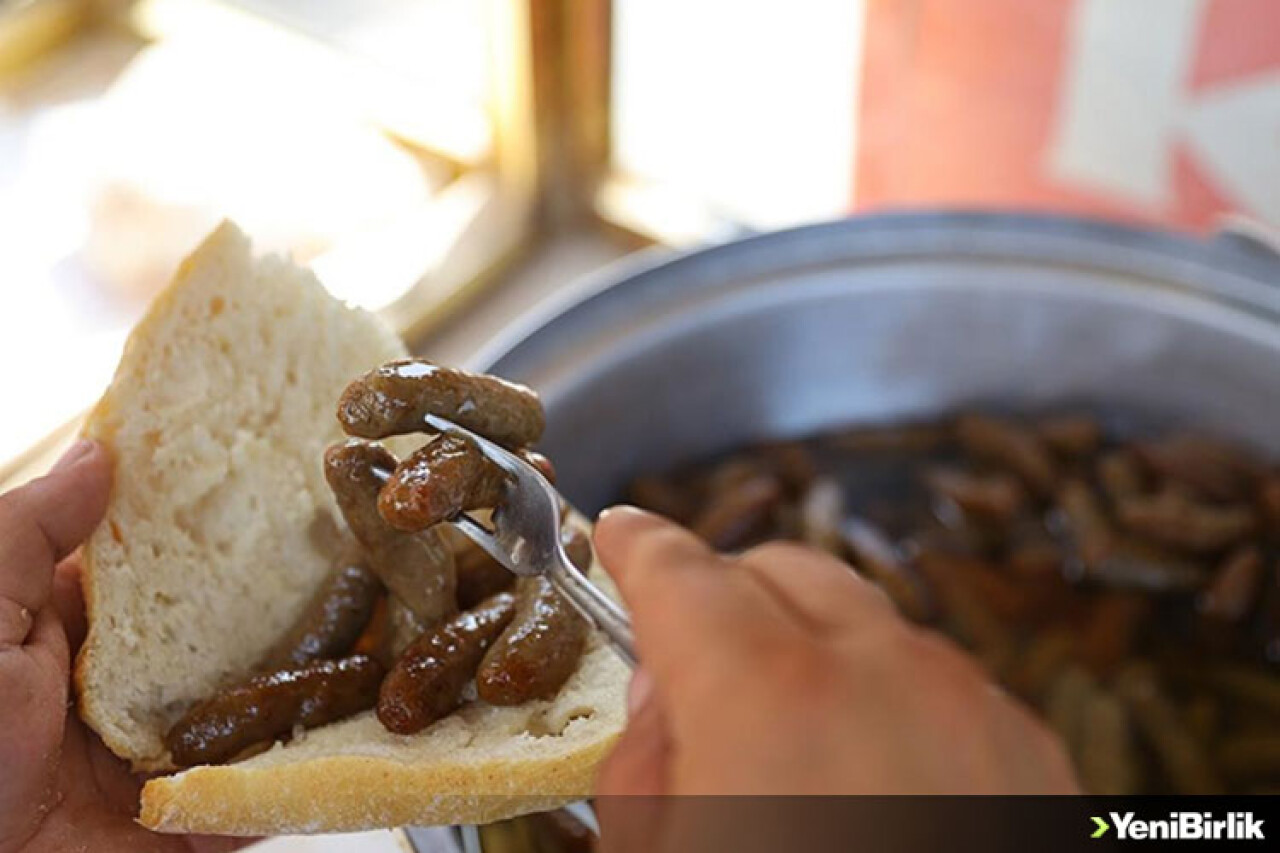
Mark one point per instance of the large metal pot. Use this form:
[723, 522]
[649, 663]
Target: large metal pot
[894, 317]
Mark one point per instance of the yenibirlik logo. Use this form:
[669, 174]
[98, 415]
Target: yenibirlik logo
[1182, 826]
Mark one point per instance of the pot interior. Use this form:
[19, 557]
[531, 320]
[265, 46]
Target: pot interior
[639, 381]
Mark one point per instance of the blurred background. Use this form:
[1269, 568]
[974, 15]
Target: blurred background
[452, 162]
[449, 162]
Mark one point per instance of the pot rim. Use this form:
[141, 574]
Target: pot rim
[1230, 267]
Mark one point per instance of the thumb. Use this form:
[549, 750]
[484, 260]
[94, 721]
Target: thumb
[42, 522]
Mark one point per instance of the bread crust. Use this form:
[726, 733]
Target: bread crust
[350, 793]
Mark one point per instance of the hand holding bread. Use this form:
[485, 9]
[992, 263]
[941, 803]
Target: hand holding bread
[62, 789]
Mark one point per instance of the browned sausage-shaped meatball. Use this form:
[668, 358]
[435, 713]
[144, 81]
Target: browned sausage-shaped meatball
[404, 628]
[970, 615]
[661, 495]
[394, 398]
[1121, 475]
[393, 627]
[1107, 637]
[439, 480]
[1187, 766]
[996, 498]
[537, 652]
[375, 640]
[1211, 468]
[1087, 523]
[268, 706]
[1070, 435]
[1269, 625]
[416, 567]
[876, 556]
[577, 545]
[479, 576]
[539, 462]
[735, 516]
[427, 682]
[1173, 519]
[1269, 504]
[1135, 564]
[1012, 446]
[1234, 589]
[333, 621]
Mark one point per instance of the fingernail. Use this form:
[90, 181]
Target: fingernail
[82, 448]
[623, 511]
[639, 691]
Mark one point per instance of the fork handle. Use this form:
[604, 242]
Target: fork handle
[595, 606]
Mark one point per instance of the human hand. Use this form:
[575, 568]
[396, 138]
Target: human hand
[781, 671]
[61, 789]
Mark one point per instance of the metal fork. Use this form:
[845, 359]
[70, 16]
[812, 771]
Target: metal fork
[525, 538]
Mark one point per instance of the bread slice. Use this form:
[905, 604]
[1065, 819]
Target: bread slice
[213, 542]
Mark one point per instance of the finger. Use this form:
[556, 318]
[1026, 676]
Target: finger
[683, 599]
[1046, 769]
[33, 710]
[42, 522]
[16, 622]
[68, 600]
[819, 590]
[639, 691]
[622, 532]
[49, 642]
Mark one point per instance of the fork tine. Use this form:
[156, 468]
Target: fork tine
[476, 532]
[530, 545]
